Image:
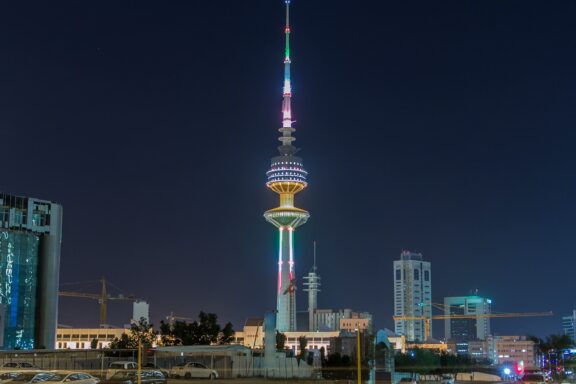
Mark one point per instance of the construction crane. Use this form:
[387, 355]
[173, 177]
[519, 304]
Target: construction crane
[103, 298]
[427, 320]
[171, 318]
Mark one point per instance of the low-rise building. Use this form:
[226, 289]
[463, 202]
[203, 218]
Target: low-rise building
[315, 340]
[397, 342]
[252, 336]
[81, 338]
[431, 344]
[331, 320]
[476, 349]
[351, 325]
[512, 349]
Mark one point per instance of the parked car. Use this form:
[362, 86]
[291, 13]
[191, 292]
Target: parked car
[193, 371]
[31, 377]
[447, 379]
[147, 376]
[76, 377]
[18, 365]
[6, 377]
[116, 366]
[533, 378]
[152, 367]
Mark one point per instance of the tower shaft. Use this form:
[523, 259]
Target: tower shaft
[286, 177]
[286, 295]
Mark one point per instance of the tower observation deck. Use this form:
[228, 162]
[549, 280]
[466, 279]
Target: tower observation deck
[286, 177]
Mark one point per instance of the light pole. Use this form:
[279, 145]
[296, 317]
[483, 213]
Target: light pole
[139, 373]
[358, 359]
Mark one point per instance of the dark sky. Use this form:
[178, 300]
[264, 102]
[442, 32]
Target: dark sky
[443, 127]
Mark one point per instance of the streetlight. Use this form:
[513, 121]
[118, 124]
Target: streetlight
[358, 360]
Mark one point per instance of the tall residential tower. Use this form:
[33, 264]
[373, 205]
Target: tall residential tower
[286, 177]
[412, 295]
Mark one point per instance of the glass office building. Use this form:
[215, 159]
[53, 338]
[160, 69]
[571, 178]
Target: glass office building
[30, 239]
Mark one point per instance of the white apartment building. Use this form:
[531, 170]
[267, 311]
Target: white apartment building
[412, 295]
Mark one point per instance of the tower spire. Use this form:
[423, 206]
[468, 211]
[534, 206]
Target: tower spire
[286, 139]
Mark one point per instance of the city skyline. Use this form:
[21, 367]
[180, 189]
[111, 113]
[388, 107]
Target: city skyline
[444, 129]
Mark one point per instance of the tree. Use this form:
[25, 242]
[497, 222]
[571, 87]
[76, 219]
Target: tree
[280, 341]
[418, 360]
[140, 333]
[227, 334]
[94, 343]
[207, 329]
[143, 333]
[552, 347]
[303, 343]
[204, 331]
[123, 342]
[167, 337]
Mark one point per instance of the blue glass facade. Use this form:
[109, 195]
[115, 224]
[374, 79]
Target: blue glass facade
[18, 287]
[30, 242]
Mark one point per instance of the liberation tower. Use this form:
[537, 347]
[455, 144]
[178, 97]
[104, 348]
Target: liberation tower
[286, 177]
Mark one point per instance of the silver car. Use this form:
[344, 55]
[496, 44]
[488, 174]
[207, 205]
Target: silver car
[76, 377]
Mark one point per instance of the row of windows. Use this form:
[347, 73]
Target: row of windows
[401, 275]
[84, 337]
[79, 345]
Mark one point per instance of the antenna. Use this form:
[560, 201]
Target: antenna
[314, 267]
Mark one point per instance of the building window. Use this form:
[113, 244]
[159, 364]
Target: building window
[426, 275]
[398, 274]
[416, 274]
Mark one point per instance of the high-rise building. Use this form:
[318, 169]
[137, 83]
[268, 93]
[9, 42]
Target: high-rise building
[466, 329]
[569, 325]
[30, 240]
[312, 286]
[412, 296]
[286, 177]
[140, 311]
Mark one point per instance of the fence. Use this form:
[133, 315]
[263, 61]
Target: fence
[93, 361]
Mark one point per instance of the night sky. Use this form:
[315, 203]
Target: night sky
[442, 127]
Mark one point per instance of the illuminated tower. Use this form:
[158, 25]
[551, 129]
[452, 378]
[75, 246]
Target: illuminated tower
[286, 177]
[312, 285]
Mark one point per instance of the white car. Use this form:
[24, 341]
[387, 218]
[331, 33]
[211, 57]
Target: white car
[193, 371]
[447, 379]
[76, 377]
[119, 366]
